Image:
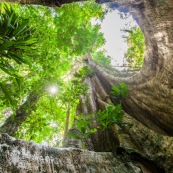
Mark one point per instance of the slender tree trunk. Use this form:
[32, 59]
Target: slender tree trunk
[13, 122]
[67, 120]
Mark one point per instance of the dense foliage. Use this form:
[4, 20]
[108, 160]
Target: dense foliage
[15, 40]
[136, 47]
[120, 91]
[101, 58]
[110, 116]
[57, 40]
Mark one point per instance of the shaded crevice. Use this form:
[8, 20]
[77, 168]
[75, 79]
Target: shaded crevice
[144, 163]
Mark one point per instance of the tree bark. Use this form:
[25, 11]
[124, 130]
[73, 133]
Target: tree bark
[135, 143]
[13, 122]
[151, 145]
[23, 157]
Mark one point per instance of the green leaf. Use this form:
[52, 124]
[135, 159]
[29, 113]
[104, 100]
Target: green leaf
[112, 115]
[120, 90]
[75, 136]
[7, 95]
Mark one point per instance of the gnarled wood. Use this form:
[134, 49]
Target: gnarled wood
[151, 145]
[150, 98]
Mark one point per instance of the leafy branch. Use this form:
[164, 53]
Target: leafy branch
[120, 91]
[110, 116]
[83, 126]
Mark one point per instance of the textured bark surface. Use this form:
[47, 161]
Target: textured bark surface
[24, 157]
[153, 146]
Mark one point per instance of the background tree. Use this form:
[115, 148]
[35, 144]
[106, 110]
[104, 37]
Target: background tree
[100, 58]
[136, 47]
[31, 80]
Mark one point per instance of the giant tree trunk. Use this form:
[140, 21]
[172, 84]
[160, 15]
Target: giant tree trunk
[150, 98]
[136, 143]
